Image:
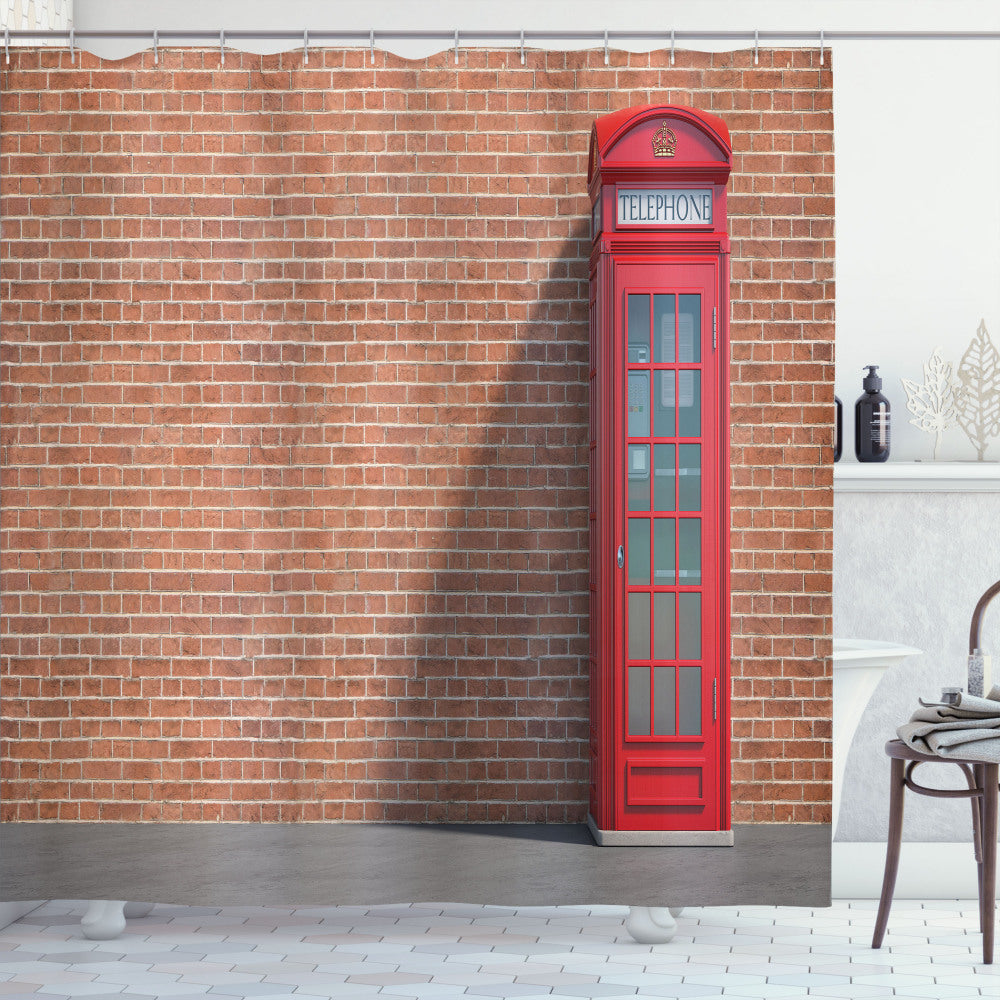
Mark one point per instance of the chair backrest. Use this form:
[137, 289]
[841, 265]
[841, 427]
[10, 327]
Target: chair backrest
[977, 617]
[979, 681]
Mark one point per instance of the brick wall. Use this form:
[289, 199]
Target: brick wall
[294, 446]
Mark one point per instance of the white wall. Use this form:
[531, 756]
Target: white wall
[918, 219]
[909, 568]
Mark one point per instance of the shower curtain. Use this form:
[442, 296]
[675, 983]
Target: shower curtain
[295, 437]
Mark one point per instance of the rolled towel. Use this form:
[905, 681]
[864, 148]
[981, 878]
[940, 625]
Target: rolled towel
[968, 729]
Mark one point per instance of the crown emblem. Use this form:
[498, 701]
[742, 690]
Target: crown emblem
[664, 141]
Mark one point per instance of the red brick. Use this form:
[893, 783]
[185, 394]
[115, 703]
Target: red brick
[295, 432]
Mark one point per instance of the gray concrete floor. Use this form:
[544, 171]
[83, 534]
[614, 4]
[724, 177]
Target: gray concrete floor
[234, 864]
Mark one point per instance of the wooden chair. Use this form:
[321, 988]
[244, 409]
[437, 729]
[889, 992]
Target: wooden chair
[982, 791]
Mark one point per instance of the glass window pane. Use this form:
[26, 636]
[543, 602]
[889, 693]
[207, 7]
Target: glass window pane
[663, 411]
[638, 550]
[689, 493]
[663, 627]
[689, 554]
[663, 477]
[689, 698]
[664, 706]
[689, 323]
[638, 477]
[688, 626]
[638, 329]
[638, 626]
[689, 390]
[663, 557]
[638, 404]
[664, 344]
[638, 701]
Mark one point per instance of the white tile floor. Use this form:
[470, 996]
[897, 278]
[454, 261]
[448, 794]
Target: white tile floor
[933, 951]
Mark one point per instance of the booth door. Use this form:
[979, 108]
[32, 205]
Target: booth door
[669, 550]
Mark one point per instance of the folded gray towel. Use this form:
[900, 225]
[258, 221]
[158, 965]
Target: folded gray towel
[968, 729]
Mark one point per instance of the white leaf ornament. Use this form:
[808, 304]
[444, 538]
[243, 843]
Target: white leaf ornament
[934, 404]
[979, 405]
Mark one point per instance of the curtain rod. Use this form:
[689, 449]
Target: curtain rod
[515, 37]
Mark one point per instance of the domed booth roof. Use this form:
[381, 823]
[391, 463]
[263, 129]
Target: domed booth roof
[641, 143]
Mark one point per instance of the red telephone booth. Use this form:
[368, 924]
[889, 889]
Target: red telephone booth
[659, 475]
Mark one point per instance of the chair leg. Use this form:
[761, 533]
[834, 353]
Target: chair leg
[977, 781]
[988, 892]
[896, 789]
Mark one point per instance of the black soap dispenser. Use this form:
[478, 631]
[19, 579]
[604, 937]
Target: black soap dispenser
[871, 420]
[838, 431]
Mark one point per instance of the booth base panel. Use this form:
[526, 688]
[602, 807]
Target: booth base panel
[659, 838]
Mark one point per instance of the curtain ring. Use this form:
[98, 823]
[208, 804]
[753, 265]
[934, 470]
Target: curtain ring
[6, 43]
[756, 51]
[522, 46]
[605, 46]
[821, 46]
[222, 47]
[305, 47]
[372, 41]
[671, 46]
[456, 46]
[72, 46]
[156, 47]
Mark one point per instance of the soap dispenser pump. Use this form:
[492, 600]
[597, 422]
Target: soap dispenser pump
[871, 420]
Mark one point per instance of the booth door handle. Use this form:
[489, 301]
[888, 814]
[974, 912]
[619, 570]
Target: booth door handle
[621, 556]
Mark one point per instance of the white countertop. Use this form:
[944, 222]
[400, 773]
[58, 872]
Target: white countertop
[916, 477]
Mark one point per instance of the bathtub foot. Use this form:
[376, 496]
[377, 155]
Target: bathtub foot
[104, 919]
[652, 924]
